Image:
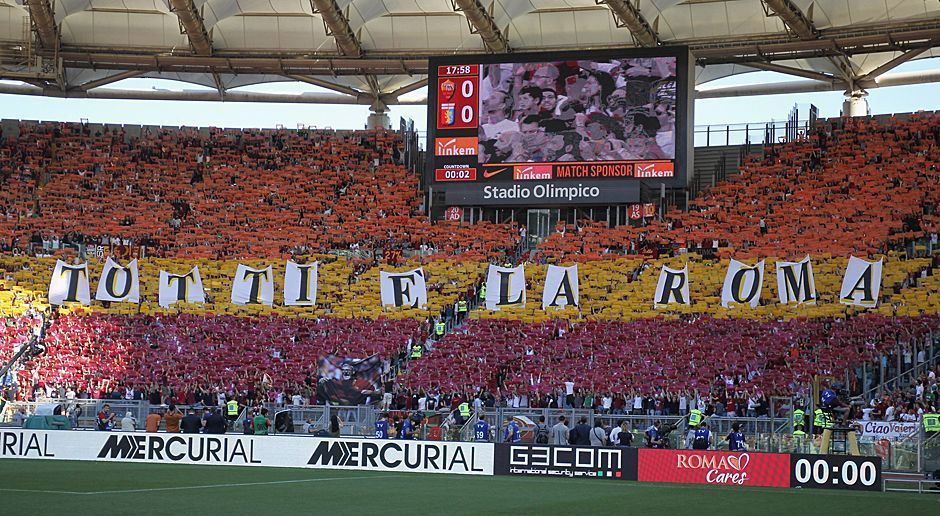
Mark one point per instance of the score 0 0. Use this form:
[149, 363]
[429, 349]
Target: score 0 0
[457, 99]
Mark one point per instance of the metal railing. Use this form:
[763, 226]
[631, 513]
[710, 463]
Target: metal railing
[914, 453]
[751, 133]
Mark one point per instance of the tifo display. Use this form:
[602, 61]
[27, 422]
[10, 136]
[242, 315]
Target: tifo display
[861, 285]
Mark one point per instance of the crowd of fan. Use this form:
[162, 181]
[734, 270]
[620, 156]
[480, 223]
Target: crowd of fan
[191, 193]
[262, 194]
[855, 186]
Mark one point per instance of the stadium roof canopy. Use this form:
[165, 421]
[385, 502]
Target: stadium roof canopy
[374, 51]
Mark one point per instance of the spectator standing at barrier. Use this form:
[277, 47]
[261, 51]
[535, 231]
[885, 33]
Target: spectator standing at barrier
[75, 413]
[261, 423]
[215, 423]
[512, 433]
[541, 431]
[173, 417]
[598, 434]
[381, 426]
[105, 418]
[336, 425]
[192, 423]
[407, 432]
[481, 431]
[620, 435]
[560, 432]
[581, 433]
[736, 439]
[19, 418]
[703, 438]
[152, 422]
[128, 423]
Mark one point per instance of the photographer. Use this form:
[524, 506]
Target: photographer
[654, 436]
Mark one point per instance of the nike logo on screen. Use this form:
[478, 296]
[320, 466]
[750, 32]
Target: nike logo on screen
[488, 174]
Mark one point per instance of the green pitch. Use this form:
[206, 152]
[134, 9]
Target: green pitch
[36, 487]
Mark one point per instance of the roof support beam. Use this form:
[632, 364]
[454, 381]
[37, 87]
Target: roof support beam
[627, 15]
[803, 27]
[346, 90]
[193, 26]
[890, 65]
[408, 88]
[196, 95]
[219, 85]
[338, 26]
[43, 20]
[109, 79]
[771, 67]
[793, 17]
[885, 81]
[482, 23]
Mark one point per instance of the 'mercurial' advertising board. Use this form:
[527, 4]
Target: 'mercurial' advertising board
[714, 467]
[398, 455]
[239, 450]
[645, 465]
[566, 461]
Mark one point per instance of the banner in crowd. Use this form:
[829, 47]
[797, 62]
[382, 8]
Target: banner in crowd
[347, 381]
[404, 289]
[253, 286]
[561, 287]
[890, 430]
[861, 284]
[117, 283]
[69, 283]
[743, 284]
[186, 288]
[796, 283]
[672, 287]
[300, 284]
[505, 286]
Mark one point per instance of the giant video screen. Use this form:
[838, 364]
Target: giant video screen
[557, 129]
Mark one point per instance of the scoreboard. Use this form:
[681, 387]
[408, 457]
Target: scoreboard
[558, 128]
[457, 93]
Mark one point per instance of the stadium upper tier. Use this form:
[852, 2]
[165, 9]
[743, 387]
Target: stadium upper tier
[245, 194]
[855, 186]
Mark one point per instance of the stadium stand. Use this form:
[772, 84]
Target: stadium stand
[216, 198]
[816, 196]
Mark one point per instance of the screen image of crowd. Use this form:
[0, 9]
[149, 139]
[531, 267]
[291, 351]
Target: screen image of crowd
[217, 198]
[570, 111]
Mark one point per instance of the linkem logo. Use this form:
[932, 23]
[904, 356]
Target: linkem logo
[456, 146]
[655, 169]
[531, 172]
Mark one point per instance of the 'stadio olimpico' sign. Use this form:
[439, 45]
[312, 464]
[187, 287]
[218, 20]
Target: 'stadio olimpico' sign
[243, 450]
